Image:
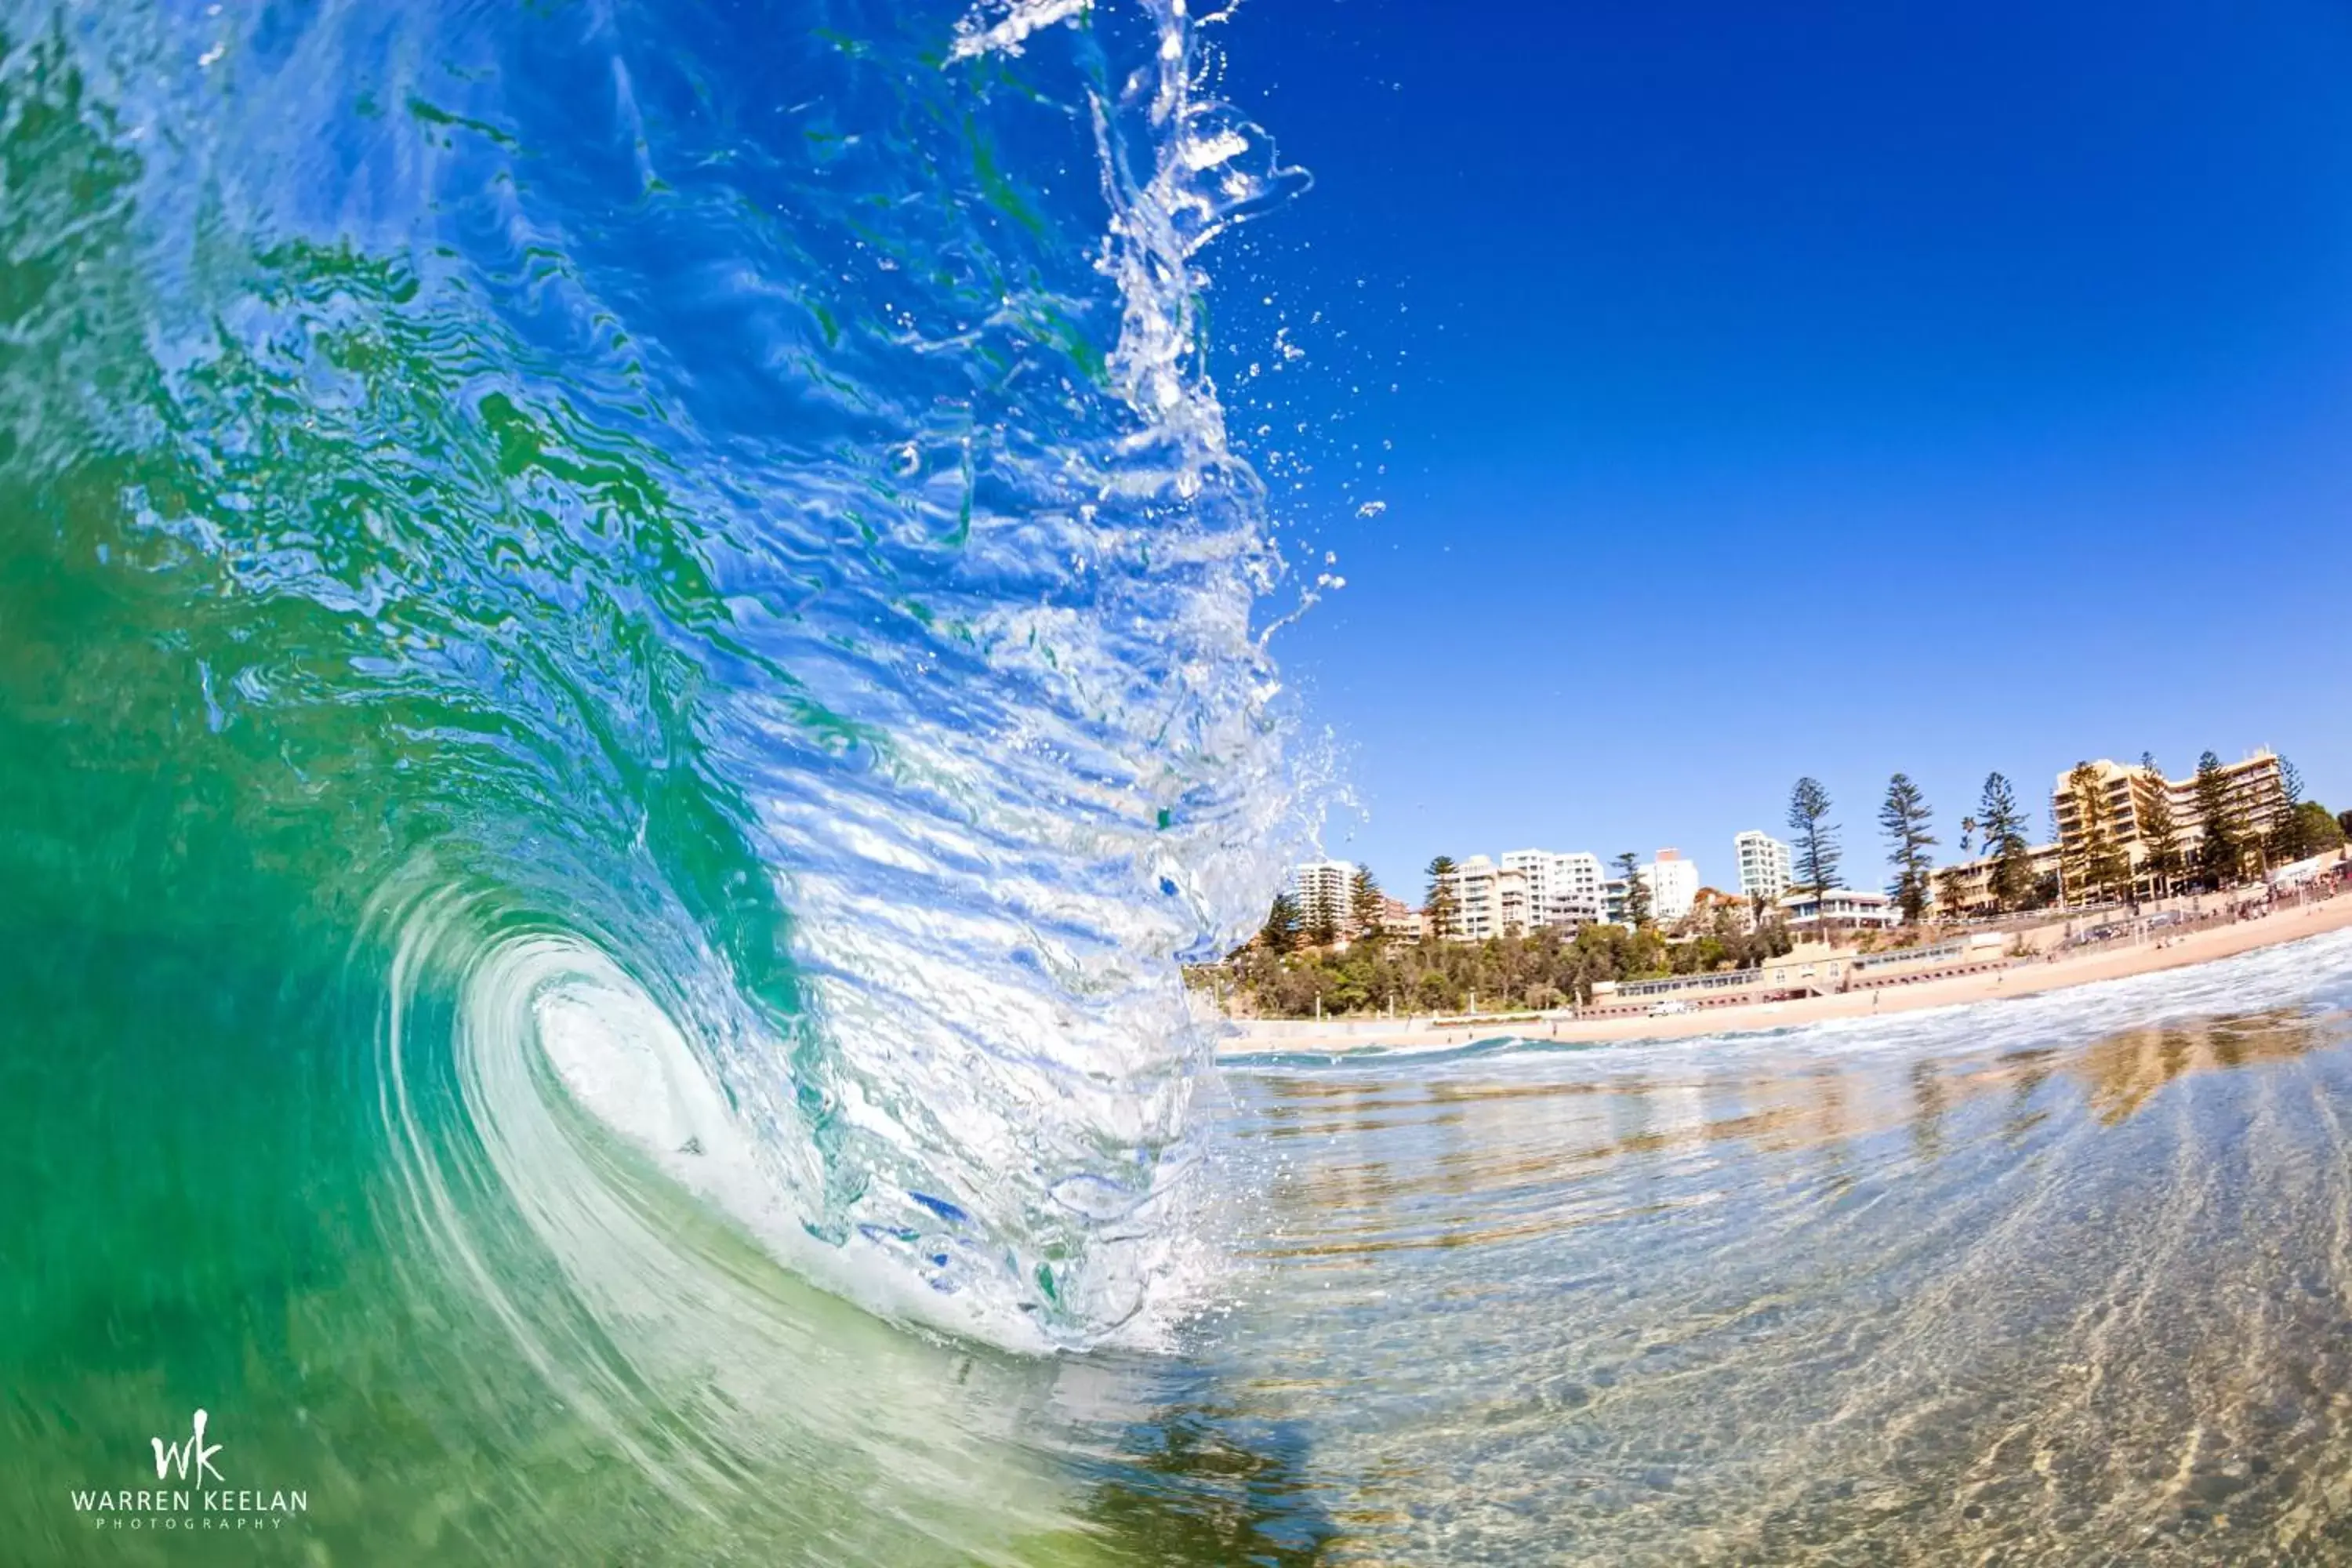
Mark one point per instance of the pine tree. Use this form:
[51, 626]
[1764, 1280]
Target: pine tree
[1904, 817]
[2002, 825]
[2095, 865]
[2287, 835]
[2160, 834]
[2221, 855]
[1280, 932]
[1366, 907]
[1950, 892]
[1637, 892]
[1816, 840]
[1322, 924]
[1442, 905]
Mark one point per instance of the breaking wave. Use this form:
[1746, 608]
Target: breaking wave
[709, 539]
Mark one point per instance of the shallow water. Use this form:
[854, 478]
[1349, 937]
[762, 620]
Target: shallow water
[2056, 1280]
[2061, 1280]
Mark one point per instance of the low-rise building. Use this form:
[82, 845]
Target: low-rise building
[1401, 919]
[1839, 909]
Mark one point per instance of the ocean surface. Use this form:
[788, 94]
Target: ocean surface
[632, 642]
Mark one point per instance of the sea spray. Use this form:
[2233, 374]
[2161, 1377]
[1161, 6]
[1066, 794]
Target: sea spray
[753, 548]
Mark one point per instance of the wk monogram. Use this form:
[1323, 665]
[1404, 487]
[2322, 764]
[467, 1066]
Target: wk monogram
[180, 1455]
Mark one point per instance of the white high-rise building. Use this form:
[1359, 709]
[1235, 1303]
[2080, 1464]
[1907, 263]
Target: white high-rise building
[1562, 889]
[1673, 882]
[1322, 888]
[1763, 867]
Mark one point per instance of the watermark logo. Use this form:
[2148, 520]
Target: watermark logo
[215, 1506]
[179, 1455]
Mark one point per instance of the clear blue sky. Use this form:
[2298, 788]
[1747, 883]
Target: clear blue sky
[1831, 390]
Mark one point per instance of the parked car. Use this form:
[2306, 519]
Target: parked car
[1668, 1008]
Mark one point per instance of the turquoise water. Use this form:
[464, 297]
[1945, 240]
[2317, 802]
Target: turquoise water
[629, 653]
[2064, 1280]
[631, 648]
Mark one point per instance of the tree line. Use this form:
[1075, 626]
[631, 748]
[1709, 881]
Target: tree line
[1285, 978]
[2229, 847]
[1297, 965]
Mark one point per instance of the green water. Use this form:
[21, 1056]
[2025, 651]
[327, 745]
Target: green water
[366, 645]
[204, 1214]
[617, 704]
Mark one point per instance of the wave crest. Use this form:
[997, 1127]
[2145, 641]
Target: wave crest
[777, 526]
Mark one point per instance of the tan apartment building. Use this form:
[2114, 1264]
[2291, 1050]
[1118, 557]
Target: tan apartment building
[1975, 881]
[1489, 900]
[2256, 791]
[1399, 919]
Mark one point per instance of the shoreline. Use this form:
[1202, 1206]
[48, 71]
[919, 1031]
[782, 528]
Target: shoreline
[2293, 923]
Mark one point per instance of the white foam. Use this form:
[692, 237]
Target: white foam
[1010, 31]
[624, 1061]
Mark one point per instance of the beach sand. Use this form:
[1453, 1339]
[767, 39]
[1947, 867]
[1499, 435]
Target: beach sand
[2027, 977]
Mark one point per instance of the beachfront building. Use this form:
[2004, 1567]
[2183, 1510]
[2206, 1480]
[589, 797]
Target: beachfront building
[2255, 790]
[1323, 889]
[1673, 882]
[1964, 891]
[1561, 889]
[1514, 909]
[1764, 865]
[1489, 900]
[1526, 890]
[1471, 883]
[1841, 909]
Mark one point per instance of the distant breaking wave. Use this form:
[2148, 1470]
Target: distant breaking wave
[714, 537]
